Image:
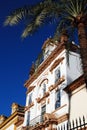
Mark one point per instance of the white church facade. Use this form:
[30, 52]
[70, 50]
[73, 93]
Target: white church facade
[54, 87]
[56, 92]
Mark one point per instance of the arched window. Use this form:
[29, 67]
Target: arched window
[42, 87]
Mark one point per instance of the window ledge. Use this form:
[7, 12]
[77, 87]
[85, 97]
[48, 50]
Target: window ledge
[52, 87]
[29, 106]
[41, 99]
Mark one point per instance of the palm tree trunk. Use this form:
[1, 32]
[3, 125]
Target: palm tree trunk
[83, 48]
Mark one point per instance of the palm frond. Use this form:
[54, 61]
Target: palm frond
[84, 6]
[57, 8]
[40, 18]
[49, 11]
[28, 30]
[40, 13]
[58, 30]
[70, 9]
[17, 15]
[35, 23]
[76, 7]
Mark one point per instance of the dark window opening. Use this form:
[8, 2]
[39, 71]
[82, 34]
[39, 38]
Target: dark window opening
[44, 88]
[57, 74]
[28, 119]
[30, 98]
[57, 103]
[43, 111]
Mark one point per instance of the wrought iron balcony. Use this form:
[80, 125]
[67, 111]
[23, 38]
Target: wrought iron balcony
[37, 120]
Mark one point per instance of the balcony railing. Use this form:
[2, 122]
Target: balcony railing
[37, 120]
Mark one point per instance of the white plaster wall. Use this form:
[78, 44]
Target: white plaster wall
[74, 69]
[32, 113]
[27, 99]
[52, 101]
[48, 105]
[51, 78]
[78, 103]
[11, 127]
[33, 109]
[64, 98]
[61, 111]
[70, 73]
[25, 118]
[36, 109]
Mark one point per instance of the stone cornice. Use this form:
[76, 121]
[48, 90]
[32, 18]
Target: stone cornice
[10, 118]
[75, 84]
[63, 118]
[20, 121]
[30, 89]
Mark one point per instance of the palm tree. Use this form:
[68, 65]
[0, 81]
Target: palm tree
[68, 14]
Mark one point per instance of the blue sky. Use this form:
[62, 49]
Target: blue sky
[16, 56]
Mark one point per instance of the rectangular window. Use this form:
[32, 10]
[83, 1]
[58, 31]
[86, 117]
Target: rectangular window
[44, 88]
[57, 74]
[30, 99]
[57, 99]
[43, 111]
[28, 118]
